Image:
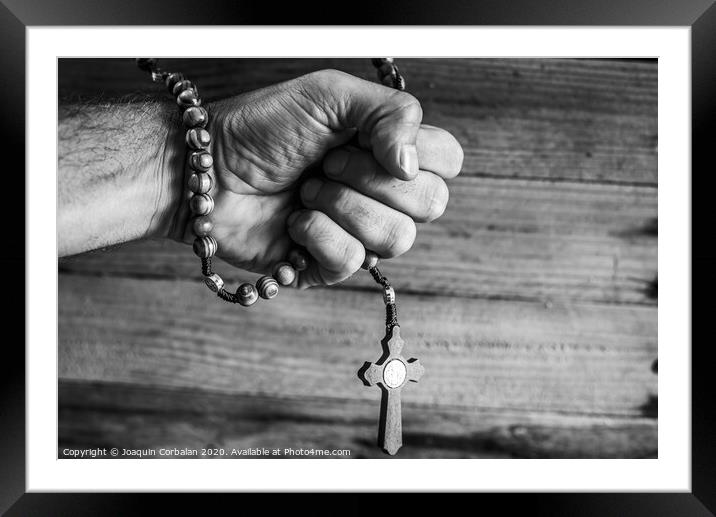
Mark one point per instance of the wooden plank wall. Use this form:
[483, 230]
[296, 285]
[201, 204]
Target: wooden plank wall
[532, 302]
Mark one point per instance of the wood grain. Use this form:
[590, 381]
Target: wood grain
[499, 238]
[531, 303]
[145, 417]
[546, 118]
[586, 359]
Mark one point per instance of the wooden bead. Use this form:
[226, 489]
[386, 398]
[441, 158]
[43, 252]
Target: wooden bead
[182, 85]
[202, 226]
[298, 260]
[284, 273]
[200, 183]
[388, 80]
[201, 161]
[195, 116]
[188, 98]
[172, 79]
[214, 282]
[371, 260]
[399, 83]
[267, 287]
[205, 247]
[386, 69]
[247, 294]
[202, 204]
[198, 138]
[388, 295]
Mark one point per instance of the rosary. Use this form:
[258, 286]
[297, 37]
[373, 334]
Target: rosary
[391, 371]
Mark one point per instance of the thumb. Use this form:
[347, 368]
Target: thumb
[386, 118]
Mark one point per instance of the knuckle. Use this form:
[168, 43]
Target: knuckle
[325, 77]
[340, 197]
[408, 105]
[309, 223]
[401, 237]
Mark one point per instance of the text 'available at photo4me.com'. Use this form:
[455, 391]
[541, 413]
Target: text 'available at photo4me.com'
[205, 452]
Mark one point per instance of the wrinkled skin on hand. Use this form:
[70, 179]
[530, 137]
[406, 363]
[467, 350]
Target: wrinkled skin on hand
[265, 145]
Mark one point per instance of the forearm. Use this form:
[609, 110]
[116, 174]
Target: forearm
[119, 173]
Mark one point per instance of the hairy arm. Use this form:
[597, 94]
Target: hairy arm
[122, 167]
[119, 167]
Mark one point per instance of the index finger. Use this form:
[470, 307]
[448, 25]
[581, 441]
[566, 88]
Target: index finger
[389, 118]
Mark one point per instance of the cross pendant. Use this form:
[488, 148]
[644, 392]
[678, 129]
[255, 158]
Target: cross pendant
[390, 373]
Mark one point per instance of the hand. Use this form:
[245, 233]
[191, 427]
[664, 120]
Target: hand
[367, 197]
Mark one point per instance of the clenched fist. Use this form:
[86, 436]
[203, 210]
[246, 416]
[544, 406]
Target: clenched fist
[329, 161]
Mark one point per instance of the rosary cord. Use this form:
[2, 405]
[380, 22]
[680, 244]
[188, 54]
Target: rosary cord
[227, 296]
[201, 203]
[206, 266]
[391, 308]
[389, 75]
[378, 277]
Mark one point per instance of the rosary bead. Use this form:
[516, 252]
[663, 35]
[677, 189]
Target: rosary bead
[172, 79]
[267, 287]
[298, 260]
[180, 86]
[247, 294]
[202, 204]
[201, 161]
[388, 80]
[198, 138]
[399, 83]
[386, 69]
[188, 98]
[200, 183]
[388, 295]
[371, 260]
[195, 116]
[202, 226]
[284, 273]
[205, 247]
[214, 282]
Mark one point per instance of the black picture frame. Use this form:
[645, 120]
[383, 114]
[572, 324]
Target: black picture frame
[700, 15]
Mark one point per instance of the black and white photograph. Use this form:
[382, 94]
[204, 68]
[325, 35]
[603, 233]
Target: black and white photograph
[360, 257]
[249, 237]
